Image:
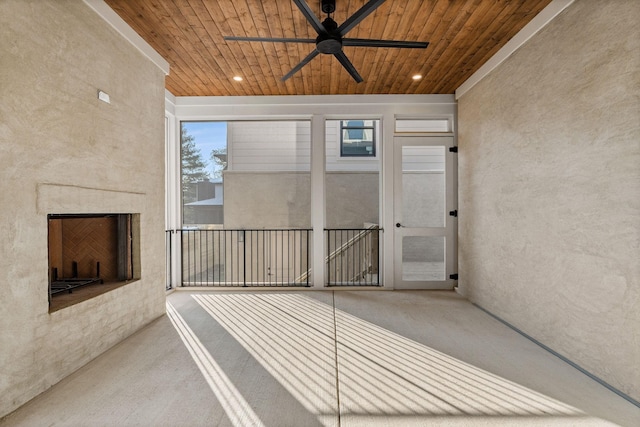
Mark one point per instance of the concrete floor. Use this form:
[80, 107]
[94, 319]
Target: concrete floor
[343, 358]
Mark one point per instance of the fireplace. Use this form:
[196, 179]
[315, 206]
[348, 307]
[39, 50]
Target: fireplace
[90, 254]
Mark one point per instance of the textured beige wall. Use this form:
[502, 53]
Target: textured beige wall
[62, 150]
[283, 199]
[550, 189]
[352, 199]
[267, 200]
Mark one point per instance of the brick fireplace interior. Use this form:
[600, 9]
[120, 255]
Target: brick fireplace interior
[90, 254]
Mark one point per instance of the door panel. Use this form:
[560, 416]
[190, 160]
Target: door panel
[423, 185]
[423, 195]
[423, 258]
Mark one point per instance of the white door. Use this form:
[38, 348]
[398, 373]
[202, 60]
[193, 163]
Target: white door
[424, 208]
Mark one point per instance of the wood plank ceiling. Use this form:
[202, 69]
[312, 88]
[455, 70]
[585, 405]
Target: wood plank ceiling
[463, 35]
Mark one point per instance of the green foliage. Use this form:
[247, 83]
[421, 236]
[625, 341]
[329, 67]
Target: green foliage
[218, 157]
[193, 166]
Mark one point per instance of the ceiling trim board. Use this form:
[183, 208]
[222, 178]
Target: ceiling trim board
[283, 100]
[304, 107]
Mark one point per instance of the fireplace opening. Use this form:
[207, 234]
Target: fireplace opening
[90, 254]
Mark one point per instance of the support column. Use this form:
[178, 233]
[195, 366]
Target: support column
[173, 195]
[388, 249]
[318, 199]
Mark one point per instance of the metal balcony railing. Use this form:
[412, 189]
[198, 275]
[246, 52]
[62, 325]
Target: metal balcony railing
[245, 257]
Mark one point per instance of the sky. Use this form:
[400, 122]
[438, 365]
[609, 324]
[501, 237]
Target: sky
[207, 136]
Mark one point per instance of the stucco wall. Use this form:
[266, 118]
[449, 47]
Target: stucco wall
[64, 151]
[283, 200]
[267, 200]
[549, 189]
[351, 199]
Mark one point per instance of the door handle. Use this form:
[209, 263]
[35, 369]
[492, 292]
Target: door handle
[398, 225]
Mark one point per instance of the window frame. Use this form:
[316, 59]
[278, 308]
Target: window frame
[372, 127]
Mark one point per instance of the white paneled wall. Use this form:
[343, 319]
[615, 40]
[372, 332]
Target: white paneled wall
[266, 146]
[270, 146]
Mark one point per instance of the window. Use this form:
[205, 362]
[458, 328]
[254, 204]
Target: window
[203, 163]
[357, 138]
[424, 125]
[246, 174]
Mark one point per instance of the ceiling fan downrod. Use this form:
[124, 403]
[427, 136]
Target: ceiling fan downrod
[328, 6]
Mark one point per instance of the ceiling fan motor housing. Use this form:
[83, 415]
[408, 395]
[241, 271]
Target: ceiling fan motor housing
[328, 45]
[331, 41]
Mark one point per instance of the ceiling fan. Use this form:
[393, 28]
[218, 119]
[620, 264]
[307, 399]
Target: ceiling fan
[331, 37]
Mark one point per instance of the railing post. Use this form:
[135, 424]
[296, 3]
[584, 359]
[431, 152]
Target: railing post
[308, 256]
[168, 261]
[244, 258]
[328, 266]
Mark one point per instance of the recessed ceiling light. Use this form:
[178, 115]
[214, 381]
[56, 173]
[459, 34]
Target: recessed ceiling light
[237, 78]
[417, 77]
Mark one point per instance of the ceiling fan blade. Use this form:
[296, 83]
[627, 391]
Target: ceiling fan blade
[302, 63]
[270, 39]
[311, 17]
[384, 43]
[362, 13]
[348, 66]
